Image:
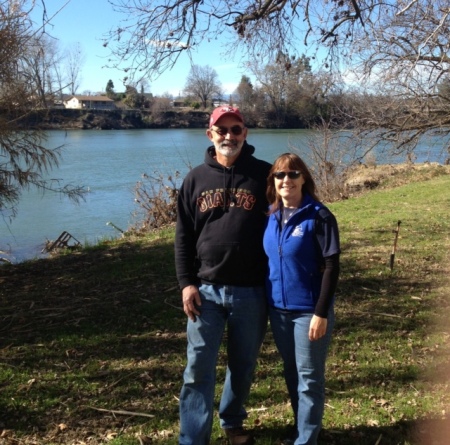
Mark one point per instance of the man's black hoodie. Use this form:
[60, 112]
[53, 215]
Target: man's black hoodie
[221, 219]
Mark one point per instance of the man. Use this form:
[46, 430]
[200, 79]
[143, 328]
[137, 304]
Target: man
[221, 269]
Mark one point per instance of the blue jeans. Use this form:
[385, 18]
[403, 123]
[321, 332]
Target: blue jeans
[243, 310]
[304, 369]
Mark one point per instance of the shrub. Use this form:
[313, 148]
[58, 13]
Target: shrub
[157, 198]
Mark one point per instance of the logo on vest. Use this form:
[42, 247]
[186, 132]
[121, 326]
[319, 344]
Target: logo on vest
[298, 231]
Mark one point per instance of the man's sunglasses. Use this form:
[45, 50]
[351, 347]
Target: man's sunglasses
[291, 175]
[236, 130]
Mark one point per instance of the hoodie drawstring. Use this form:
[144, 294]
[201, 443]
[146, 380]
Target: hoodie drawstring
[232, 197]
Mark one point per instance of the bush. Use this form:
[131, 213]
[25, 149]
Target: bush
[157, 199]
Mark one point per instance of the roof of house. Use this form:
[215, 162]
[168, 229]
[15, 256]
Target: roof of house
[91, 98]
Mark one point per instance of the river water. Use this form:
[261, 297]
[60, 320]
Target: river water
[109, 164]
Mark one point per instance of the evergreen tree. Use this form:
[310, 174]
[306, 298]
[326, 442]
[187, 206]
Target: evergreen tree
[110, 89]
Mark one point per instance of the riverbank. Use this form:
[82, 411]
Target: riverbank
[69, 119]
[121, 119]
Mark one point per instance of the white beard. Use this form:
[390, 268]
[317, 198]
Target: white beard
[229, 151]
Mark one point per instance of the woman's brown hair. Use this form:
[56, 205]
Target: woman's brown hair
[289, 161]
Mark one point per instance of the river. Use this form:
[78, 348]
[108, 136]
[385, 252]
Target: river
[109, 164]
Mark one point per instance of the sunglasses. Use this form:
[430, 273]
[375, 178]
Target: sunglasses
[236, 130]
[291, 175]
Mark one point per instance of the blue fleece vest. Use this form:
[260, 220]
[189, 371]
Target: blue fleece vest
[295, 261]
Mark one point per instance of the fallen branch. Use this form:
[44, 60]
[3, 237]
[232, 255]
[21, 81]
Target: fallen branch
[383, 314]
[123, 412]
[119, 380]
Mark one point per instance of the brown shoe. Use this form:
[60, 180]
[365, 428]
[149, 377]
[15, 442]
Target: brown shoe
[238, 436]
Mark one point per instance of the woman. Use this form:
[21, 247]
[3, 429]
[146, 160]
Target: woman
[302, 244]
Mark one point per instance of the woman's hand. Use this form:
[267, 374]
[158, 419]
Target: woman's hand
[317, 328]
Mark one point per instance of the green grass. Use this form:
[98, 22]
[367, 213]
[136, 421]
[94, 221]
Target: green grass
[92, 344]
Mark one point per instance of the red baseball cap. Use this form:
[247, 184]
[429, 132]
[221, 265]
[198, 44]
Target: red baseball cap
[222, 111]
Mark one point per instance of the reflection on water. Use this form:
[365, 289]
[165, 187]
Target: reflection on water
[109, 164]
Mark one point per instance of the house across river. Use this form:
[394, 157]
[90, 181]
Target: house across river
[89, 102]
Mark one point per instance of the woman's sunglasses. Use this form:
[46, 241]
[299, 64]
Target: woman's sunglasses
[291, 175]
[236, 130]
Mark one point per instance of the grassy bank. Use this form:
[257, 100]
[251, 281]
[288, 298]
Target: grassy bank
[92, 344]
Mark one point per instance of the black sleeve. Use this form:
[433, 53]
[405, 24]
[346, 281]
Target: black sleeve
[329, 284]
[185, 244]
[327, 234]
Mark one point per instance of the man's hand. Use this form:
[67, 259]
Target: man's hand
[191, 301]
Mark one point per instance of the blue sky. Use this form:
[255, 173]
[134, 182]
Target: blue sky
[87, 21]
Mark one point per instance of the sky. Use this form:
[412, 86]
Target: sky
[87, 21]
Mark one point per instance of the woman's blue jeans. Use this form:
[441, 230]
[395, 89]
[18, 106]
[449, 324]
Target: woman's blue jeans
[304, 369]
[243, 311]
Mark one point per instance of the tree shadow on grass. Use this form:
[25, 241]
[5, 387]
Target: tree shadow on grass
[87, 335]
[418, 432]
[122, 290]
[97, 330]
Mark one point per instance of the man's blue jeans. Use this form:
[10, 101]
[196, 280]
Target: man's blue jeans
[243, 311]
[304, 369]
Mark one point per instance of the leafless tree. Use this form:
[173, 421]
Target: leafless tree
[402, 60]
[59, 81]
[24, 159]
[74, 62]
[40, 63]
[281, 82]
[161, 104]
[203, 85]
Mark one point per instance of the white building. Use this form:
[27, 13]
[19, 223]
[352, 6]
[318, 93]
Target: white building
[90, 102]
